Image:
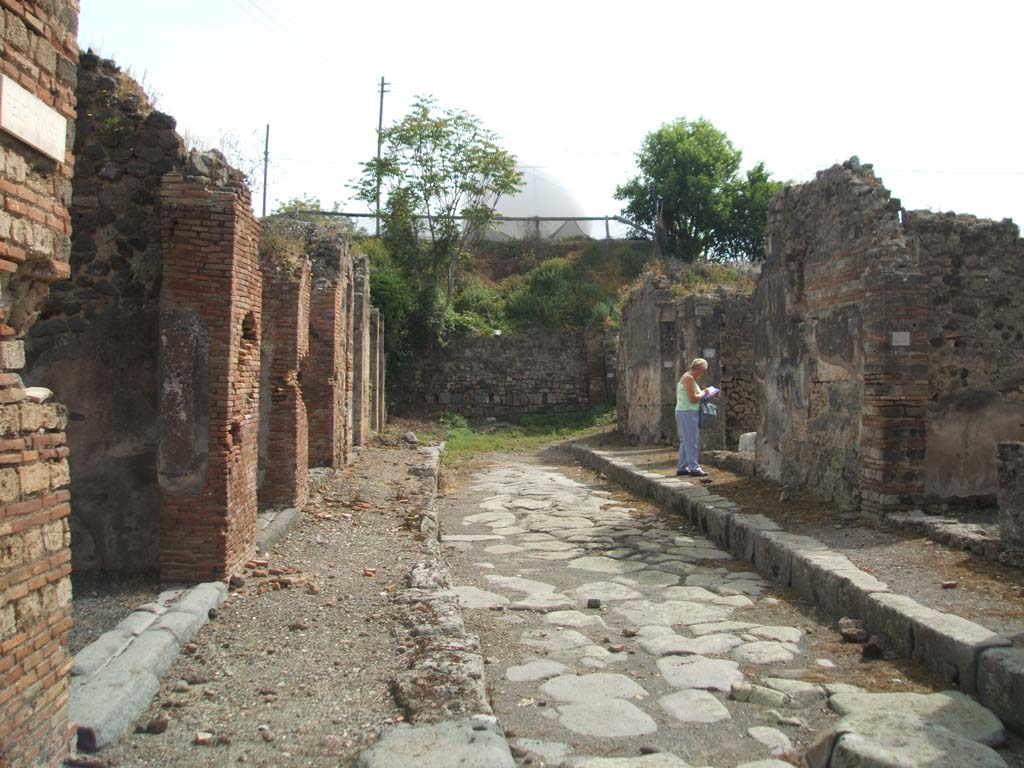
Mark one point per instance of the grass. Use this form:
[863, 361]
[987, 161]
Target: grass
[464, 441]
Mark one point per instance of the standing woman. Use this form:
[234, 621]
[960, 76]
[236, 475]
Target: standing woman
[688, 397]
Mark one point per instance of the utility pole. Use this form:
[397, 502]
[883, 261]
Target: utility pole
[266, 162]
[380, 138]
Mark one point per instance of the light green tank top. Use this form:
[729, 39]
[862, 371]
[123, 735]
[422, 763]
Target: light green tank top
[682, 401]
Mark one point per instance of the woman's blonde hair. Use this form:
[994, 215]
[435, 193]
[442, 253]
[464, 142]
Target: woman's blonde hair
[699, 362]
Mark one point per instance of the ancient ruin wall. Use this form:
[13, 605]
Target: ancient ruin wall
[210, 314]
[646, 363]
[39, 56]
[362, 397]
[377, 370]
[740, 388]
[97, 340]
[975, 275]
[284, 436]
[326, 373]
[840, 343]
[502, 376]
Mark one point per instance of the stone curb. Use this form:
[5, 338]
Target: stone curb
[442, 693]
[959, 651]
[270, 534]
[116, 677]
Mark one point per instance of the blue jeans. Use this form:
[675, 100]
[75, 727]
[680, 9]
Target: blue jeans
[688, 425]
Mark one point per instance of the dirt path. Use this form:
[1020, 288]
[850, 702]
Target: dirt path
[298, 675]
[651, 667]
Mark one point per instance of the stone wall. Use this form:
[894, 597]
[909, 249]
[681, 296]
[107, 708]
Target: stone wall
[975, 275]
[96, 343]
[210, 308]
[717, 326]
[362, 396]
[502, 376]
[38, 55]
[1010, 473]
[327, 372]
[284, 434]
[840, 344]
[377, 370]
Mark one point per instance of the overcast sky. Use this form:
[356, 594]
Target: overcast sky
[930, 93]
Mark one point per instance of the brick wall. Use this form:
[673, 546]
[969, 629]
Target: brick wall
[974, 270]
[362, 397]
[502, 375]
[39, 54]
[376, 370]
[325, 373]
[284, 436]
[97, 340]
[210, 315]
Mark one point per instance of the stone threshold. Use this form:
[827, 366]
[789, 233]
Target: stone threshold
[115, 677]
[448, 718]
[979, 538]
[958, 651]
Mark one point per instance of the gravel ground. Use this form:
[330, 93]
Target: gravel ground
[99, 601]
[298, 674]
[986, 592]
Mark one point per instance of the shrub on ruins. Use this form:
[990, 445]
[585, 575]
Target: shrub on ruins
[555, 295]
[690, 188]
[440, 175]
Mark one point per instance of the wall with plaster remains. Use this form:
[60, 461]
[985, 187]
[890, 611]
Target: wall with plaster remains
[501, 376]
[975, 274]
[39, 54]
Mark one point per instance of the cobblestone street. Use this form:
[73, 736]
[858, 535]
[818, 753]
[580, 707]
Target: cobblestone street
[612, 630]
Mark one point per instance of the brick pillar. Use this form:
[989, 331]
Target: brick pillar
[209, 379]
[35, 573]
[895, 390]
[284, 444]
[1011, 502]
[361, 395]
[324, 375]
[348, 346]
[376, 356]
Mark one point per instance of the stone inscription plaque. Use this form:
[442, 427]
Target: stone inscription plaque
[901, 338]
[25, 116]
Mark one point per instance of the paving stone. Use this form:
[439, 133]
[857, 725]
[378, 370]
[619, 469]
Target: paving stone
[720, 626]
[503, 549]
[700, 553]
[825, 663]
[482, 518]
[599, 564]
[801, 693]
[547, 546]
[693, 594]
[708, 645]
[555, 524]
[518, 584]
[653, 579]
[772, 738]
[537, 537]
[509, 531]
[734, 601]
[706, 580]
[694, 706]
[546, 752]
[769, 763]
[606, 719]
[950, 709]
[543, 603]
[473, 597]
[677, 567]
[469, 743]
[700, 672]
[532, 671]
[764, 652]
[657, 760]
[568, 554]
[529, 504]
[781, 634]
[895, 739]
[670, 612]
[554, 640]
[584, 688]
[471, 537]
[605, 591]
[833, 688]
[576, 619]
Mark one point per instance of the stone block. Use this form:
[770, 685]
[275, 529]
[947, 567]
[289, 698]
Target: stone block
[468, 743]
[1011, 494]
[12, 355]
[10, 490]
[34, 477]
[894, 617]
[744, 531]
[1001, 684]
[950, 646]
[181, 624]
[99, 652]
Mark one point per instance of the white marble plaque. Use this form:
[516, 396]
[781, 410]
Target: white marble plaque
[901, 338]
[710, 354]
[25, 116]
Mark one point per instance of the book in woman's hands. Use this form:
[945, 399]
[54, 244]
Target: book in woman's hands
[710, 392]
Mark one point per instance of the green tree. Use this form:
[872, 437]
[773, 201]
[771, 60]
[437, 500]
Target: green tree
[439, 164]
[690, 186]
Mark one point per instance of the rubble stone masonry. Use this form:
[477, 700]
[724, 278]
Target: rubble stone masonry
[210, 319]
[284, 436]
[39, 54]
[1011, 501]
[501, 376]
